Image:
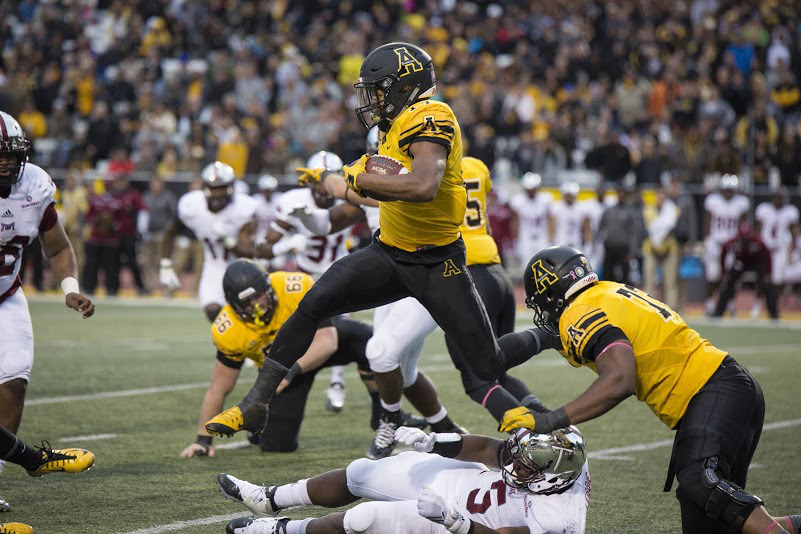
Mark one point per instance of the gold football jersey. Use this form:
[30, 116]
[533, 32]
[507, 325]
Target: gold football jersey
[481, 247]
[415, 226]
[673, 360]
[239, 339]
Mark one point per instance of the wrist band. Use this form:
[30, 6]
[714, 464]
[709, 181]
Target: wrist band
[550, 421]
[70, 285]
[204, 440]
[448, 445]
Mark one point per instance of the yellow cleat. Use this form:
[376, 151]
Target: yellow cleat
[227, 423]
[15, 528]
[62, 461]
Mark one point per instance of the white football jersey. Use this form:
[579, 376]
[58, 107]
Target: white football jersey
[211, 228]
[372, 216]
[776, 224]
[725, 215]
[20, 217]
[265, 214]
[568, 220]
[483, 496]
[323, 250]
[532, 214]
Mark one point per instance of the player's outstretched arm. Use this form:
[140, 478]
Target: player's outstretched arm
[469, 448]
[59, 252]
[420, 185]
[223, 380]
[617, 370]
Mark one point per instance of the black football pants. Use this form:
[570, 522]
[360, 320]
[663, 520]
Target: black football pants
[372, 277]
[498, 295]
[724, 419]
[288, 408]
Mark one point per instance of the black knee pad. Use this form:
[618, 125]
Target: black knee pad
[704, 484]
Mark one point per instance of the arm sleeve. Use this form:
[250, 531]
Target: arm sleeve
[601, 340]
[229, 361]
[519, 347]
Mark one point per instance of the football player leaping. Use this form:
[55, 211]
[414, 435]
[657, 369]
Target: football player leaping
[400, 328]
[27, 210]
[639, 346]
[419, 251]
[257, 306]
[531, 483]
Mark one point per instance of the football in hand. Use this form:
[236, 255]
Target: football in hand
[378, 164]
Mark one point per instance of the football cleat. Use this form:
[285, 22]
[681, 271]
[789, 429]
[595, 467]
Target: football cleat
[5, 506]
[384, 441]
[414, 421]
[251, 417]
[15, 528]
[63, 461]
[335, 397]
[258, 499]
[252, 525]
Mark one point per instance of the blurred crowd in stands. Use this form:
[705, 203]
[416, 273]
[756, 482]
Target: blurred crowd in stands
[639, 94]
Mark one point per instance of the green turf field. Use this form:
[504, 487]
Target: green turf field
[154, 360]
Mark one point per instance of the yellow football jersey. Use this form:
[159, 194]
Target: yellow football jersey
[414, 226]
[239, 339]
[481, 247]
[673, 360]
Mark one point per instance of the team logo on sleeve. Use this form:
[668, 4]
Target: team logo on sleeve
[543, 277]
[407, 63]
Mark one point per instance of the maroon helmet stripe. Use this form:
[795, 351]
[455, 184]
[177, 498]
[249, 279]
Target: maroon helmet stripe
[3, 128]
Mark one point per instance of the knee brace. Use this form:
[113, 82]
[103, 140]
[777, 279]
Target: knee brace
[382, 355]
[703, 484]
[360, 518]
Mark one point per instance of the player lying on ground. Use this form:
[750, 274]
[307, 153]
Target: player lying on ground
[530, 483]
[257, 304]
[419, 253]
[639, 346]
[27, 210]
[38, 461]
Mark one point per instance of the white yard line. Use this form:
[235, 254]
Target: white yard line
[234, 445]
[90, 437]
[614, 453]
[181, 525]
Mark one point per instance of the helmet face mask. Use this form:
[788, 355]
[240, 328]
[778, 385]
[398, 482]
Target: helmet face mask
[217, 198]
[248, 291]
[218, 185]
[13, 151]
[551, 278]
[392, 77]
[543, 464]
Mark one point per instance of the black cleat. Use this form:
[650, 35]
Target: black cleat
[258, 499]
[384, 441]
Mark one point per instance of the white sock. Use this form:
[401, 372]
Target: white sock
[294, 494]
[394, 407]
[338, 374]
[298, 526]
[437, 417]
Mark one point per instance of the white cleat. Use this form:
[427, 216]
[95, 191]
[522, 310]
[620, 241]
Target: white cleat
[258, 499]
[4, 505]
[252, 525]
[335, 397]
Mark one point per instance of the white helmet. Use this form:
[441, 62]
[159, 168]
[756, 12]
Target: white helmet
[325, 160]
[218, 175]
[531, 180]
[543, 464]
[373, 137]
[12, 140]
[729, 182]
[569, 188]
[267, 182]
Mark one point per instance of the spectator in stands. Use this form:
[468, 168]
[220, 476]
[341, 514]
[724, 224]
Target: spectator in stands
[32, 121]
[132, 208]
[788, 156]
[72, 213]
[661, 248]
[651, 165]
[161, 210]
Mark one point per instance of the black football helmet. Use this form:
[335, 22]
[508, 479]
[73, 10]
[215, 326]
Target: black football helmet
[248, 291]
[14, 146]
[392, 77]
[551, 277]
